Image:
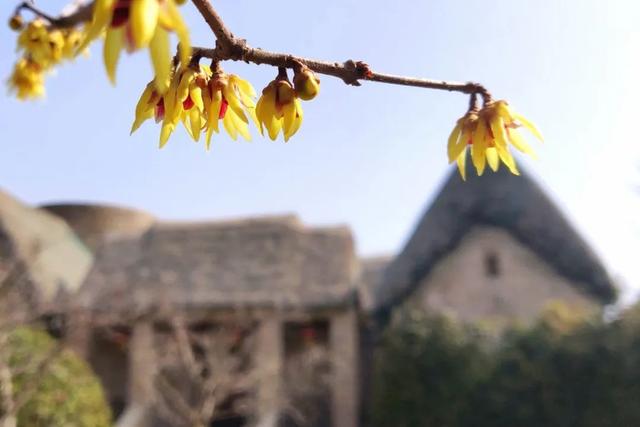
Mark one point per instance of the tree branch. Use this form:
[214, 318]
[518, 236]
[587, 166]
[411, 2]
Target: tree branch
[81, 14]
[228, 47]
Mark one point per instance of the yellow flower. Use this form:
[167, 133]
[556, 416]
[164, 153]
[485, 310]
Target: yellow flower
[200, 100]
[182, 102]
[151, 104]
[154, 104]
[306, 84]
[134, 24]
[460, 139]
[72, 40]
[279, 109]
[42, 45]
[231, 99]
[27, 79]
[489, 133]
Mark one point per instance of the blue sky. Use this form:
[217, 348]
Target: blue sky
[370, 157]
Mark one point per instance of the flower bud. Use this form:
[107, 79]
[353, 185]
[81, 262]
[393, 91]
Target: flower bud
[16, 23]
[306, 83]
[285, 93]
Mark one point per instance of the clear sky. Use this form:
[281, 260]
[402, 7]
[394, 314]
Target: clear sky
[371, 157]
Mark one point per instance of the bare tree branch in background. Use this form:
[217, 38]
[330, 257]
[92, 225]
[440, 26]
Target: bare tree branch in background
[204, 371]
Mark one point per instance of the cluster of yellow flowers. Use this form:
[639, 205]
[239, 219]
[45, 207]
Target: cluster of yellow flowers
[279, 106]
[489, 132]
[125, 24]
[181, 91]
[42, 48]
[201, 98]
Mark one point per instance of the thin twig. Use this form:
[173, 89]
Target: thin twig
[78, 16]
[229, 47]
[351, 72]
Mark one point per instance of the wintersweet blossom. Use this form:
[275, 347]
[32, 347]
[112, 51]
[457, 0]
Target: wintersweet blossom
[40, 44]
[489, 133]
[306, 83]
[229, 98]
[27, 79]
[279, 109]
[199, 98]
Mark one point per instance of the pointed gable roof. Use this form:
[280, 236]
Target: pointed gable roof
[515, 204]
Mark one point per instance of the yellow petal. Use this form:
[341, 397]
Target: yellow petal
[143, 109]
[288, 117]
[101, 18]
[186, 77]
[298, 120]
[274, 126]
[184, 118]
[518, 141]
[260, 114]
[492, 158]
[244, 86]
[229, 125]
[254, 118]
[457, 149]
[208, 139]
[160, 53]
[478, 147]
[526, 123]
[272, 123]
[196, 96]
[170, 98]
[507, 159]
[196, 125]
[504, 111]
[113, 44]
[165, 132]
[143, 16]
[453, 140]
[462, 165]
[240, 125]
[214, 111]
[173, 20]
[234, 103]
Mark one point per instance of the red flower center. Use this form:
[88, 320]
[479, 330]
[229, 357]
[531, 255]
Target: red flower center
[188, 103]
[159, 113]
[223, 109]
[120, 13]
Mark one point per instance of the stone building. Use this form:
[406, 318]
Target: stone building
[492, 249]
[296, 284]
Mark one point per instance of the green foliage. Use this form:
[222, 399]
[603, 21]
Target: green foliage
[566, 370]
[66, 393]
[426, 372]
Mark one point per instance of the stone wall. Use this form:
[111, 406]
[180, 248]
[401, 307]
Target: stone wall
[491, 276]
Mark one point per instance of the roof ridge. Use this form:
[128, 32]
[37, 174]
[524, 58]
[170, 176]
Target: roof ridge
[516, 204]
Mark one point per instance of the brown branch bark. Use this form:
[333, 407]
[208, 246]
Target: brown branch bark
[81, 14]
[229, 47]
